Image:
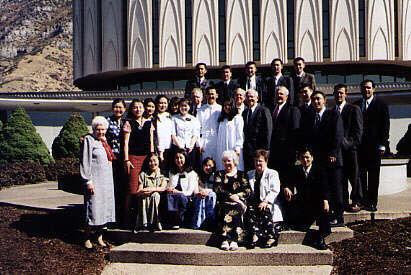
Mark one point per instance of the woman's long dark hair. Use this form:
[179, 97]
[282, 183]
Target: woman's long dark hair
[130, 114]
[232, 113]
[187, 166]
[203, 176]
[173, 101]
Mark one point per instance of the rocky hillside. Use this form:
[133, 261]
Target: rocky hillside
[35, 45]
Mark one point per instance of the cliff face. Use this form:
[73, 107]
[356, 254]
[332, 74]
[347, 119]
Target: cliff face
[35, 45]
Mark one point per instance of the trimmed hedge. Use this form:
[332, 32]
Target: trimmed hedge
[21, 173]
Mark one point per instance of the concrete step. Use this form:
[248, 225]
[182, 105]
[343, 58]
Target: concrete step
[201, 255]
[189, 236]
[144, 269]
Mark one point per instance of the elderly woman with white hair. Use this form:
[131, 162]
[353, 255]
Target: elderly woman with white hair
[96, 171]
[232, 189]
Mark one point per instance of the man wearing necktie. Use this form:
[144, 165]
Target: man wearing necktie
[276, 80]
[323, 131]
[301, 78]
[286, 123]
[353, 126]
[311, 201]
[257, 128]
[376, 128]
[252, 82]
[199, 81]
[227, 87]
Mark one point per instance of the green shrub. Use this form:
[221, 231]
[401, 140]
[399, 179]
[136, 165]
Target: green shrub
[68, 175]
[67, 143]
[20, 142]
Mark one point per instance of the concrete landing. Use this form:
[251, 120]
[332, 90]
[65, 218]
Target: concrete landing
[188, 254]
[143, 269]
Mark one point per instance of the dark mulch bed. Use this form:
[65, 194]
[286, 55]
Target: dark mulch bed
[377, 247]
[41, 242]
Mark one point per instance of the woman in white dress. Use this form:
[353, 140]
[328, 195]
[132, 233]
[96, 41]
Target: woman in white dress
[230, 134]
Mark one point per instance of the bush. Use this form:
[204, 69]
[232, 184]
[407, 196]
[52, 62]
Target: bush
[67, 143]
[21, 173]
[20, 142]
[68, 175]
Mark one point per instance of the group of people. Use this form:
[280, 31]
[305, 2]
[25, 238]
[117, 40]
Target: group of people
[245, 159]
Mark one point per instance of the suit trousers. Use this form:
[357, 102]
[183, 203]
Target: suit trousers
[351, 172]
[335, 183]
[370, 182]
[301, 215]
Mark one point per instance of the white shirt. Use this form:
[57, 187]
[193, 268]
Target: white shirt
[208, 116]
[165, 127]
[307, 171]
[277, 77]
[341, 106]
[279, 107]
[253, 84]
[241, 108]
[185, 128]
[368, 102]
[321, 113]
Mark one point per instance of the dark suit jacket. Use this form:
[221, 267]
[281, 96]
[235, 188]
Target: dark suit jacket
[298, 83]
[257, 131]
[311, 190]
[353, 125]
[283, 137]
[325, 139]
[260, 86]
[225, 91]
[269, 98]
[376, 129]
[194, 83]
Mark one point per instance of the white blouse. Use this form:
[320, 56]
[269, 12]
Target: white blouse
[188, 185]
[185, 128]
[165, 127]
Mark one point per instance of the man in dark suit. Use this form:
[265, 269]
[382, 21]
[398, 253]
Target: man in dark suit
[257, 128]
[278, 79]
[252, 82]
[353, 125]
[196, 100]
[376, 130]
[310, 202]
[324, 132]
[199, 81]
[305, 98]
[227, 87]
[301, 78]
[286, 123]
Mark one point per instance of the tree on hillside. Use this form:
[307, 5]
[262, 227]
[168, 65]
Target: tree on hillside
[67, 143]
[20, 142]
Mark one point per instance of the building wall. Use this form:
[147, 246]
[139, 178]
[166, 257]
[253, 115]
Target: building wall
[331, 30]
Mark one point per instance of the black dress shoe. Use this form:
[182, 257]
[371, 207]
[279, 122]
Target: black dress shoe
[337, 223]
[371, 208]
[251, 245]
[321, 245]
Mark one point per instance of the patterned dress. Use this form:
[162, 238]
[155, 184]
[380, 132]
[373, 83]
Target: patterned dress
[148, 205]
[230, 214]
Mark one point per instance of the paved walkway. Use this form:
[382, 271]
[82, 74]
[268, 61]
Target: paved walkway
[47, 196]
